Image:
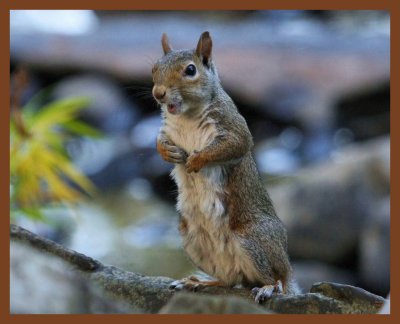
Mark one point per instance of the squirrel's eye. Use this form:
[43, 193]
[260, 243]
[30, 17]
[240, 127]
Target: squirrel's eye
[190, 70]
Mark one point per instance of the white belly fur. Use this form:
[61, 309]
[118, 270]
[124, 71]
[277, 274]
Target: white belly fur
[208, 241]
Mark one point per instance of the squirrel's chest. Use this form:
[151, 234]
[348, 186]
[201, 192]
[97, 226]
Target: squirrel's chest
[190, 134]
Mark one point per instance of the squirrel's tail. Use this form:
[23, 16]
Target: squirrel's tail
[292, 287]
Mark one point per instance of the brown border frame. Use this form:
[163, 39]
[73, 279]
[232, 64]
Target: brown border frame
[6, 5]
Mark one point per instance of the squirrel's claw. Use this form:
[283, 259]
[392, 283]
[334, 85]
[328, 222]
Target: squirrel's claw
[265, 292]
[184, 284]
[193, 284]
[171, 153]
[194, 162]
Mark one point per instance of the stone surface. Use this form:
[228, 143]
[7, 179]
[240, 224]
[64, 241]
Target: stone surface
[43, 284]
[386, 306]
[295, 77]
[309, 303]
[357, 300]
[186, 303]
[326, 206]
[128, 290]
[374, 249]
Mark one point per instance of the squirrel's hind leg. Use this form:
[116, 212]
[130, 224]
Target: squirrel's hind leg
[193, 283]
[267, 291]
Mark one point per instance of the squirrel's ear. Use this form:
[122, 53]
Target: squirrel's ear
[165, 44]
[204, 47]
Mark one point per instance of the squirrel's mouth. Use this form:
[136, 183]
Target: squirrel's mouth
[172, 109]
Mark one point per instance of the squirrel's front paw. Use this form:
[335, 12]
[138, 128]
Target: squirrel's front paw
[195, 162]
[171, 153]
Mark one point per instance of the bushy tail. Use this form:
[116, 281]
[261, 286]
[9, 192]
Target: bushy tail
[292, 288]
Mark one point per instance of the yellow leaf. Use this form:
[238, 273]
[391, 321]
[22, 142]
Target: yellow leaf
[62, 164]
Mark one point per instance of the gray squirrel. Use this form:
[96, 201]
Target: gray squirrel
[229, 226]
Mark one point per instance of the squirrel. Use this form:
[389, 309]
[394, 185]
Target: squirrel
[228, 224]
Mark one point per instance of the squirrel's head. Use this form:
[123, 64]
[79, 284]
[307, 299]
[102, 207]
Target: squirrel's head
[185, 81]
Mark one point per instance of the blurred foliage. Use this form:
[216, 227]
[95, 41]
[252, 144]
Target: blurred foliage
[41, 174]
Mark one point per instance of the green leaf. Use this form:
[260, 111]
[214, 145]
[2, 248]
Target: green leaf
[34, 104]
[58, 162]
[82, 128]
[54, 141]
[33, 213]
[39, 165]
[59, 112]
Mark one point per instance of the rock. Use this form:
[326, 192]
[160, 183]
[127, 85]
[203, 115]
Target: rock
[187, 303]
[123, 168]
[308, 59]
[275, 160]
[43, 284]
[365, 113]
[309, 303]
[327, 298]
[144, 134]
[93, 155]
[152, 293]
[289, 79]
[328, 220]
[296, 69]
[374, 249]
[114, 161]
[326, 206]
[386, 306]
[357, 300]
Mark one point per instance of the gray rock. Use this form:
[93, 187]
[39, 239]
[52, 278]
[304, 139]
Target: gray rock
[186, 303]
[326, 206]
[152, 293]
[310, 303]
[374, 249]
[301, 58]
[115, 160]
[386, 306]
[327, 298]
[43, 284]
[145, 133]
[357, 300]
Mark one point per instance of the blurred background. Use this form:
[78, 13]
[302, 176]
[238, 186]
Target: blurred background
[312, 85]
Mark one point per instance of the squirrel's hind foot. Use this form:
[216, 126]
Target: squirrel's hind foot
[192, 283]
[266, 292]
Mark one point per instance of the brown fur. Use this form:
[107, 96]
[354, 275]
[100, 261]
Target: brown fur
[162, 150]
[183, 226]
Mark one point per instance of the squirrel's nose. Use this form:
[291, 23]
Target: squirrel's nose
[159, 92]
